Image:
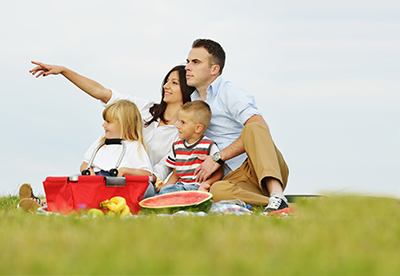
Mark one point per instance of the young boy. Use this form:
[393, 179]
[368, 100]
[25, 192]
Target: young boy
[193, 120]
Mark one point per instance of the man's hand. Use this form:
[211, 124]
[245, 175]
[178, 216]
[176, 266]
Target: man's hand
[206, 169]
[43, 69]
[204, 186]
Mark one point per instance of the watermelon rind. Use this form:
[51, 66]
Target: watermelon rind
[202, 206]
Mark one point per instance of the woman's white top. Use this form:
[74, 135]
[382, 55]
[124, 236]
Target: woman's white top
[107, 156]
[158, 139]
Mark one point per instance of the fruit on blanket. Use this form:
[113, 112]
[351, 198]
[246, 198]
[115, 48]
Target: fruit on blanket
[95, 213]
[116, 206]
[111, 214]
[194, 201]
[125, 212]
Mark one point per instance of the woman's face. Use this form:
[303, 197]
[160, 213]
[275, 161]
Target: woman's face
[172, 89]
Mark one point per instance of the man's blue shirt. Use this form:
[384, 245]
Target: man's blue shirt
[231, 107]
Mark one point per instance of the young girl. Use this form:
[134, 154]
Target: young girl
[120, 148]
[120, 151]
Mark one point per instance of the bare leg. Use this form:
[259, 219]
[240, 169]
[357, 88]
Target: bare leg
[272, 186]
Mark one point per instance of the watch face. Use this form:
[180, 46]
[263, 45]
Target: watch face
[216, 156]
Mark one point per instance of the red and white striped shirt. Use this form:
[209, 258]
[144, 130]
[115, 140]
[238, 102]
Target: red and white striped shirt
[184, 158]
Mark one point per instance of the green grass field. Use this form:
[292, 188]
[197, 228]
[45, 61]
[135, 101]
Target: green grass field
[326, 236]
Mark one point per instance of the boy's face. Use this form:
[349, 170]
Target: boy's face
[187, 128]
[199, 70]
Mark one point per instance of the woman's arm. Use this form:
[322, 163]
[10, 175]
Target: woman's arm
[161, 170]
[130, 171]
[91, 87]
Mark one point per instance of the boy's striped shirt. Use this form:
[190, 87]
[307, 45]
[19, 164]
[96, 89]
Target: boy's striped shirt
[184, 158]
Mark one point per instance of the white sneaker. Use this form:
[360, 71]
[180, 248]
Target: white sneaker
[276, 204]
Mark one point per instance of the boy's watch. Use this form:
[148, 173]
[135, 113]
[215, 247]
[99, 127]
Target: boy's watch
[216, 157]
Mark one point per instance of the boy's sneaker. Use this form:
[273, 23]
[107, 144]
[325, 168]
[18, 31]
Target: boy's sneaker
[277, 205]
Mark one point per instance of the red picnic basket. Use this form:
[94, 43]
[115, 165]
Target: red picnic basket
[67, 194]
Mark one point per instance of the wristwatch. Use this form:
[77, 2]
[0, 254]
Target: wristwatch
[216, 157]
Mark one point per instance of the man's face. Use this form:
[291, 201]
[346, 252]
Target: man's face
[199, 71]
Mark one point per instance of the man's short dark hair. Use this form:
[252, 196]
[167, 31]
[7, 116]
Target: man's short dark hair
[214, 49]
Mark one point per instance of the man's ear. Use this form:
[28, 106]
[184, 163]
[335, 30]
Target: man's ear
[215, 69]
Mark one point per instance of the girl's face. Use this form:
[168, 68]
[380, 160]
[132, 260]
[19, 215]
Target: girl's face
[112, 130]
[172, 89]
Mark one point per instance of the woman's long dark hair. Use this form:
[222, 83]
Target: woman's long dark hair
[157, 110]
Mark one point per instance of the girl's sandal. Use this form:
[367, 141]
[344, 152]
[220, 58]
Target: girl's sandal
[25, 191]
[28, 205]
[27, 200]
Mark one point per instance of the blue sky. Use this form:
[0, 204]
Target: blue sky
[324, 75]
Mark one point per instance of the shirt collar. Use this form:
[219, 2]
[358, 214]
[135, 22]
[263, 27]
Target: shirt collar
[212, 88]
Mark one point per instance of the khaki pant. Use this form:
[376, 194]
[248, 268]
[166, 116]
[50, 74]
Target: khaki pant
[264, 160]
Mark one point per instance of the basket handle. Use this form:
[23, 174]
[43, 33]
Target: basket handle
[112, 181]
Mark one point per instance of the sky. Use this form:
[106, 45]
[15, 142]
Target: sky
[325, 76]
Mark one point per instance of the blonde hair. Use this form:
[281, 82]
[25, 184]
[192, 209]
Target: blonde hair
[200, 111]
[126, 114]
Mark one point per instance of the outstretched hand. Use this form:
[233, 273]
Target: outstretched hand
[206, 168]
[42, 69]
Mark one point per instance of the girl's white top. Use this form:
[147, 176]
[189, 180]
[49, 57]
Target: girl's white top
[107, 156]
[158, 139]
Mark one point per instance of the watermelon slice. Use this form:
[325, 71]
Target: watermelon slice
[194, 201]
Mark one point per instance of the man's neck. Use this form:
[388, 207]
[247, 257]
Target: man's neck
[203, 89]
[203, 92]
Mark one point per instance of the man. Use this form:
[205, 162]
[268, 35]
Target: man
[256, 170]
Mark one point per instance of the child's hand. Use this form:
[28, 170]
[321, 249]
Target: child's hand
[122, 172]
[92, 171]
[158, 184]
[204, 186]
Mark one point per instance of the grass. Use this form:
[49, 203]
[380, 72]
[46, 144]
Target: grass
[326, 236]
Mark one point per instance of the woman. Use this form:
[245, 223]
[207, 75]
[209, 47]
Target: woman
[159, 131]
